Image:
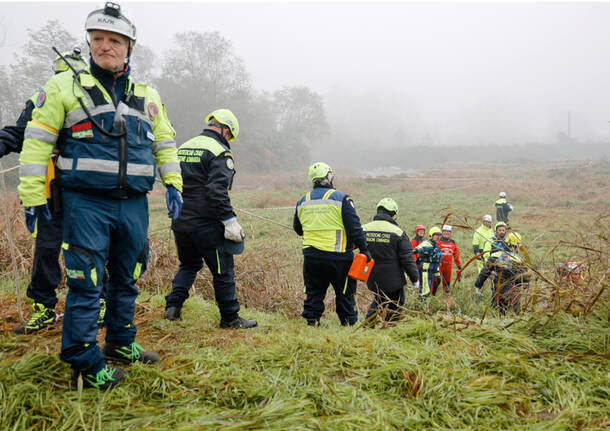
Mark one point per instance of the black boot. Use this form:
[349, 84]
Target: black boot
[173, 313]
[238, 323]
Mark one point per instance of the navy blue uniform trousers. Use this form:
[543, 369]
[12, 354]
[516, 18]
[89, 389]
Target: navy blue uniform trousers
[193, 249]
[46, 273]
[318, 274]
[96, 230]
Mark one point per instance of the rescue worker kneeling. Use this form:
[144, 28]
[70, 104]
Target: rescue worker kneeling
[391, 248]
[428, 260]
[327, 220]
[509, 274]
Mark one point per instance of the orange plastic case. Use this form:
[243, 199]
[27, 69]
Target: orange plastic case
[361, 269]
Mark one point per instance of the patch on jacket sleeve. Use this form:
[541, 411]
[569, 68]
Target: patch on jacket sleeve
[83, 130]
[153, 110]
[42, 96]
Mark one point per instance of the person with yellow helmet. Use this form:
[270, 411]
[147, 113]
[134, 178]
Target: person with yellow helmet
[327, 220]
[207, 229]
[111, 137]
[429, 258]
[46, 272]
[509, 273]
[390, 247]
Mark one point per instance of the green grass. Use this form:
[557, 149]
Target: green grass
[285, 375]
[445, 367]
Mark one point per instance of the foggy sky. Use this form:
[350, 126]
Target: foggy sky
[445, 73]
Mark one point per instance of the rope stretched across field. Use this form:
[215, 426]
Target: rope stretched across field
[247, 213]
[265, 218]
[8, 170]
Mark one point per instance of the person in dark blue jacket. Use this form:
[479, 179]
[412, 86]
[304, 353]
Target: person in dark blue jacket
[207, 228]
[391, 248]
[46, 272]
[327, 220]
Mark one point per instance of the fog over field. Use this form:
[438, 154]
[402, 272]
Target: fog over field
[396, 76]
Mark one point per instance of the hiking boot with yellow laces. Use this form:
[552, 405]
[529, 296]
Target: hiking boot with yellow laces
[129, 354]
[103, 379]
[40, 318]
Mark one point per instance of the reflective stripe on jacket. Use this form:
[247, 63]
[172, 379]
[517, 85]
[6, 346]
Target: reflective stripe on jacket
[322, 222]
[90, 160]
[208, 169]
[390, 247]
[502, 210]
[428, 255]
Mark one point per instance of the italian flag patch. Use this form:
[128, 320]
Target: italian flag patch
[84, 130]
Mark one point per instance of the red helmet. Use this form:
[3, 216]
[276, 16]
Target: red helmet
[418, 227]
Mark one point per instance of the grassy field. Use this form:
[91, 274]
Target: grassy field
[452, 365]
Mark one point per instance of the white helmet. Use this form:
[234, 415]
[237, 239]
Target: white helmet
[502, 194]
[447, 227]
[111, 19]
[487, 217]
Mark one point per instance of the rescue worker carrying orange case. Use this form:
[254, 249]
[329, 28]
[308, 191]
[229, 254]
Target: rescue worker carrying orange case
[327, 220]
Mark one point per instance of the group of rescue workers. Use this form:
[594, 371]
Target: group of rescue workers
[91, 143]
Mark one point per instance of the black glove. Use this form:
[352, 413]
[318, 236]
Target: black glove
[3, 150]
[459, 267]
[367, 253]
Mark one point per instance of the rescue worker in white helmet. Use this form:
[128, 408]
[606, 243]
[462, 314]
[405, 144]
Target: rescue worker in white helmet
[110, 135]
[482, 235]
[428, 260]
[509, 274]
[391, 248]
[503, 207]
[207, 229]
[327, 220]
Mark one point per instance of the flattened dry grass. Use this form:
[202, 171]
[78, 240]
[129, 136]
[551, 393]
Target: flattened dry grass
[285, 375]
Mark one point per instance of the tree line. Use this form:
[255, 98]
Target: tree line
[199, 73]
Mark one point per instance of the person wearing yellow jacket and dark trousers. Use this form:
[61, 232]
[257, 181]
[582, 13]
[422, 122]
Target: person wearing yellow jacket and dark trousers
[503, 207]
[327, 220]
[110, 136]
[391, 248]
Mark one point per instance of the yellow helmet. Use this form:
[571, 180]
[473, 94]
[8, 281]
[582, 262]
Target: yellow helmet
[513, 238]
[318, 171]
[433, 231]
[500, 223]
[388, 204]
[226, 118]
